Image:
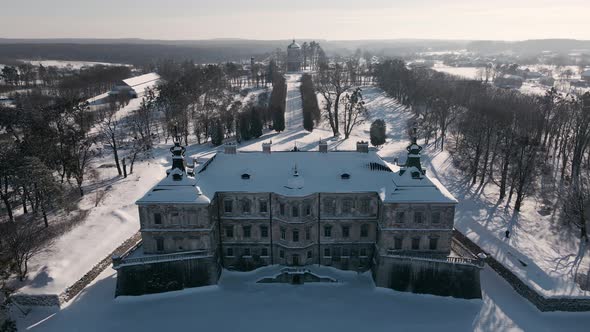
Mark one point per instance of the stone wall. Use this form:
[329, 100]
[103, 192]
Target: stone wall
[541, 302]
[166, 276]
[427, 277]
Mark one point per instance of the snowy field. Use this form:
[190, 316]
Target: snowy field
[311, 306]
[70, 64]
[528, 87]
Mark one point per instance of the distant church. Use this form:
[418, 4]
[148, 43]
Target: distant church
[294, 57]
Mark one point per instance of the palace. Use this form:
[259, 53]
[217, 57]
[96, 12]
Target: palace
[347, 209]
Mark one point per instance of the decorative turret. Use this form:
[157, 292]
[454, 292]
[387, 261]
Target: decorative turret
[178, 168]
[413, 161]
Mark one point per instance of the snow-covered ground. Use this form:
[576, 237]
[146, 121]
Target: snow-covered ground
[354, 305]
[238, 303]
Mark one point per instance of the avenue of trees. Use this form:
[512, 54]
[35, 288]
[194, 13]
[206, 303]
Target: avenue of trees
[200, 102]
[502, 137]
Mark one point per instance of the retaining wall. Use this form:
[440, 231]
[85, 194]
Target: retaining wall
[428, 277]
[554, 303]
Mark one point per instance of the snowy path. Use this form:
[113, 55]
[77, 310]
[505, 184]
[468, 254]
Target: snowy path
[293, 110]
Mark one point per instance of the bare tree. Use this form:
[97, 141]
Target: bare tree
[24, 240]
[355, 111]
[333, 82]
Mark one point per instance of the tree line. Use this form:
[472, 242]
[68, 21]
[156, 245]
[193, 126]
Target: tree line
[502, 137]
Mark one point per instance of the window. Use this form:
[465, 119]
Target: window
[345, 231]
[347, 206]
[433, 243]
[336, 252]
[283, 233]
[246, 251]
[247, 231]
[415, 243]
[245, 206]
[193, 218]
[345, 252]
[263, 207]
[229, 231]
[308, 210]
[295, 235]
[364, 230]
[330, 205]
[178, 244]
[435, 217]
[282, 209]
[397, 243]
[281, 253]
[309, 255]
[160, 244]
[345, 176]
[307, 233]
[263, 231]
[245, 176]
[327, 231]
[418, 217]
[174, 218]
[365, 206]
[295, 211]
[363, 252]
[400, 217]
[157, 218]
[229, 252]
[228, 206]
[327, 252]
[264, 252]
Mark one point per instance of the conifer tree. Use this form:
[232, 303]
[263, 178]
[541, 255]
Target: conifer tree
[255, 123]
[378, 128]
[217, 133]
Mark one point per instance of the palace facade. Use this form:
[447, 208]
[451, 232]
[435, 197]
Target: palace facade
[347, 209]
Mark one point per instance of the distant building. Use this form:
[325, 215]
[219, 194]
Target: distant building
[347, 209]
[135, 87]
[294, 57]
[585, 75]
[509, 82]
[6, 101]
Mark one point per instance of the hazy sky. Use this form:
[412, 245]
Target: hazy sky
[279, 19]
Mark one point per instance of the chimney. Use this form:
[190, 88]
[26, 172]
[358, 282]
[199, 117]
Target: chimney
[266, 147]
[230, 148]
[323, 146]
[362, 146]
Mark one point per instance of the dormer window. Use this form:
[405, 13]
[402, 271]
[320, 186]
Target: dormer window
[245, 176]
[345, 176]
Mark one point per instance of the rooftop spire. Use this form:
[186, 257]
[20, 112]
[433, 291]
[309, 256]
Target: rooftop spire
[413, 160]
[177, 155]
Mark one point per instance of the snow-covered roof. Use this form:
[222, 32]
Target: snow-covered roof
[307, 172]
[169, 190]
[294, 45]
[142, 79]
